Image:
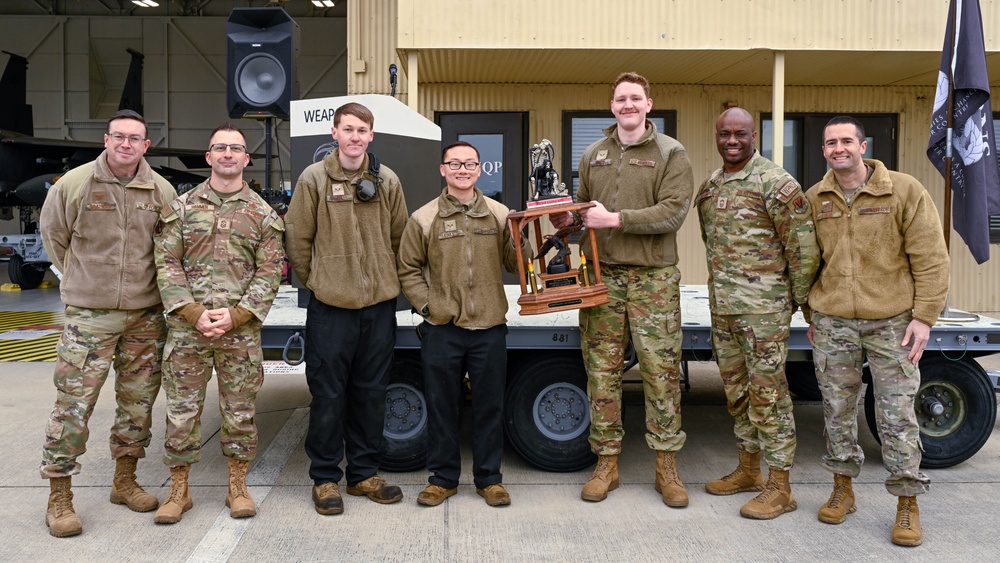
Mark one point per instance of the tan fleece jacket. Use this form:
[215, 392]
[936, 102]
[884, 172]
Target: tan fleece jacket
[884, 254]
[99, 234]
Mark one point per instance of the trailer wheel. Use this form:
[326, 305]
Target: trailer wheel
[26, 275]
[547, 414]
[802, 382]
[956, 409]
[404, 436]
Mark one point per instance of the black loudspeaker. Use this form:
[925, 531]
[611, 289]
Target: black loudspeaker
[261, 47]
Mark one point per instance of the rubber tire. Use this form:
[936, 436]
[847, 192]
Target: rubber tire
[802, 382]
[404, 437]
[532, 385]
[25, 275]
[959, 441]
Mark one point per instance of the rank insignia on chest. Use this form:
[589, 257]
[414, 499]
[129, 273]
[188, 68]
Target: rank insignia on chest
[450, 226]
[224, 224]
[601, 155]
[722, 203]
[337, 189]
[826, 207]
[99, 197]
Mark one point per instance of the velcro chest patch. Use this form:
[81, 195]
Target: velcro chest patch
[881, 209]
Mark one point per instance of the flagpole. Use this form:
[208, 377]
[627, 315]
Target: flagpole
[949, 314]
[950, 113]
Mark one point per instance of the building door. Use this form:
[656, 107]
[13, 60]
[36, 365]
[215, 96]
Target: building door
[501, 139]
[502, 142]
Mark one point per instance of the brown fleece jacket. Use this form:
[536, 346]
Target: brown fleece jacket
[649, 184]
[342, 249]
[883, 255]
[450, 259]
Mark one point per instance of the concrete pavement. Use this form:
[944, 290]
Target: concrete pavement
[547, 520]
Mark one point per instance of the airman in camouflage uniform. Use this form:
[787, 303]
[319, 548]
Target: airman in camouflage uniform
[641, 183]
[762, 257]
[219, 257]
[883, 283]
[97, 226]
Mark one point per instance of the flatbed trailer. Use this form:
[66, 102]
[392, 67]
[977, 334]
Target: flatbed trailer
[546, 413]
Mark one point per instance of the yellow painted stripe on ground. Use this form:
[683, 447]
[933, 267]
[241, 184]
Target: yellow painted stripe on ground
[41, 349]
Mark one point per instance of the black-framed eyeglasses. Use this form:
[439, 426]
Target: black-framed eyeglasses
[234, 148]
[132, 139]
[455, 165]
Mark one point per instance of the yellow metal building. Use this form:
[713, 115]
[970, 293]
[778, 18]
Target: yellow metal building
[801, 59]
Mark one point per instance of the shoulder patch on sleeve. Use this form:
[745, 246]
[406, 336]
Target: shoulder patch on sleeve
[787, 190]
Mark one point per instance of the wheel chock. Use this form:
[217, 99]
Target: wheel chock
[10, 287]
[46, 284]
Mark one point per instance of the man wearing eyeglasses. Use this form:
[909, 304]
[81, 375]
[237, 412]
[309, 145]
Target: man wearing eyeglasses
[449, 267]
[219, 257]
[97, 227]
[641, 183]
[344, 224]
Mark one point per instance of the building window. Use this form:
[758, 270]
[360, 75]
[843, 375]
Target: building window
[581, 128]
[803, 151]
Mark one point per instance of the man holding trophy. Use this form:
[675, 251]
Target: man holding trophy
[641, 183]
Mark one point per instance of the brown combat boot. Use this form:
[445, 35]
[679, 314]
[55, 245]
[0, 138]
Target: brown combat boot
[179, 500]
[125, 490]
[603, 479]
[775, 500]
[59, 516]
[907, 531]
[238, 498]
[668, 482]
[841, 501]
[745, 479]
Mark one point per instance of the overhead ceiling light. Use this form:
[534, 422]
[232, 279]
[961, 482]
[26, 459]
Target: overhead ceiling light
[324, 3]
[145, 3]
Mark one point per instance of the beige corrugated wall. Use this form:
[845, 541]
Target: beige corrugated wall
[973, 287]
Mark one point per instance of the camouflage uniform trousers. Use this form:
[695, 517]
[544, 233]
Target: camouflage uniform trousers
[751, 352]
[188, 360]
[92, 341]
[644, 304]
[838, 353]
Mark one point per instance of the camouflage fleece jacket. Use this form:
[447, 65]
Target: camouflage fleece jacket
[219, 253]
[759, 239]
[649, 184]
[882, 255]
[99, 234]
[450, 258]
[342, 249]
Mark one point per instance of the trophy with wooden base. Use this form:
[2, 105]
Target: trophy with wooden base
[555, 285]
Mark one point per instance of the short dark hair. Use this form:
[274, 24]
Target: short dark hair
[128, 114]
[633, 77]
[458, 144]
[227, 126]
[847, 120]
[357, 110]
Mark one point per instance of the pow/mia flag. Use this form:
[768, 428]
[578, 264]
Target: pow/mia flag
[975, 170]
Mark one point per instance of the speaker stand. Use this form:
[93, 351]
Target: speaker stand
[268, 123]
